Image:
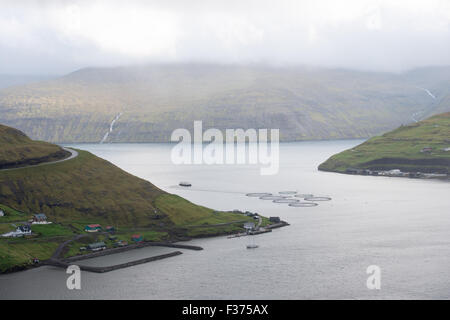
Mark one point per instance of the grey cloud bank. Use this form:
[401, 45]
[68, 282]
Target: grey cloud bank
[58, 37]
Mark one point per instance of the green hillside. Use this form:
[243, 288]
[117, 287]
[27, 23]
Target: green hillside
[401, 149]
[89, 190]
[304, 103]
[19, 150]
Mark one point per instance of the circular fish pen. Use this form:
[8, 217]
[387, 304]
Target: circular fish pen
[303, 204]
[258, 194]
[272, 198]
[286, 201]
[304, 195]
[287, 192]
[318, 199]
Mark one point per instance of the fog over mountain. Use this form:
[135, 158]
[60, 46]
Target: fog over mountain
[48, 37]
[146, 103]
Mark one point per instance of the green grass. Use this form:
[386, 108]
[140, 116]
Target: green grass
[401, 149]
[12, 215]
[184, 213]
[17, 149]
[51, 230]
[86, 189]
[6, 227]
[20, 253]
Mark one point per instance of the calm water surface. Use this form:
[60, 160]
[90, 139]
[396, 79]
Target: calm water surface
[401, 225]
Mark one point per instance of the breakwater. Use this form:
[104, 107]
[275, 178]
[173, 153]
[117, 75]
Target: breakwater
[63, 264]
[130, 247]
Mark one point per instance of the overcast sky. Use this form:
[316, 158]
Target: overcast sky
[50, 37]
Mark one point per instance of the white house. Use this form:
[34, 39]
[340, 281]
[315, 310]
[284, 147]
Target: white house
[20, 232]
[2, 214]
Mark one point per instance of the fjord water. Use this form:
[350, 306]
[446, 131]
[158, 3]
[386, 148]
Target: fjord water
[401, 225]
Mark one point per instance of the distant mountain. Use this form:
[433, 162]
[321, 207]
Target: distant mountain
[419, 147]
[148, 103]
[9, 80]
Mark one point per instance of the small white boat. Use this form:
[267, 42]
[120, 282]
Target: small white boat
[252, 246]
[185, 184]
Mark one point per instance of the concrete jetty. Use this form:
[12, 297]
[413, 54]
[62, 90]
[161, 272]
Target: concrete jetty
[63, 264]
[130, 247]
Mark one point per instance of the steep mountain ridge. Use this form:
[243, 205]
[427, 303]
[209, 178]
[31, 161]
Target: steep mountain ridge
[304, 103]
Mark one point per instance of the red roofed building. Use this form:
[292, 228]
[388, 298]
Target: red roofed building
[93, 228]
[137, 238]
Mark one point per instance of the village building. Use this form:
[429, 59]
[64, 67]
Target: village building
[93, 228]
[39, 218]
[20, 232]
[2, 214]
[97, 246]
[110, 229]
[274, 219]
[137, 238]
[120, 243]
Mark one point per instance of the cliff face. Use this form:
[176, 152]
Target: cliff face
[154, 100]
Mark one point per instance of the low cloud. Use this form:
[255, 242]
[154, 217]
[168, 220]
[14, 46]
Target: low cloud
[59, 37]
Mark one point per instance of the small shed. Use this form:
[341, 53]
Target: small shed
[137, 238]
[93, 228]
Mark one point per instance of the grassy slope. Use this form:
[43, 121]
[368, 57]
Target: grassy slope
[155, 100]
[400, 149]
[17, 149]
[86, 190]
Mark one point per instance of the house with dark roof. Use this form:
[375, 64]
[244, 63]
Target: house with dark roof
[96, 246]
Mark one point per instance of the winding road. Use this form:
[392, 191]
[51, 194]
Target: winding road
[73, 154]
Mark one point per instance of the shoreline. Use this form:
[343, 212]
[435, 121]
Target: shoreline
[54, 260]
[404, 175]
